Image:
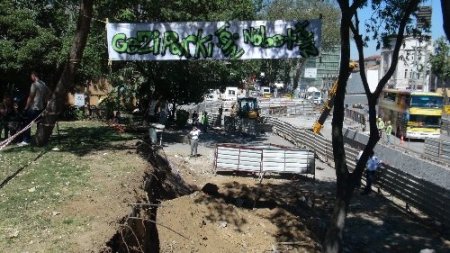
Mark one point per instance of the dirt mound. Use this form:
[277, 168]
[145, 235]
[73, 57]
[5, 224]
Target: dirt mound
[213, 224]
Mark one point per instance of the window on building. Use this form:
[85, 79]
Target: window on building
[406, 73]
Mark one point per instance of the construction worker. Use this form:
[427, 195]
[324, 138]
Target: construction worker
[388, 132]
[380, 126]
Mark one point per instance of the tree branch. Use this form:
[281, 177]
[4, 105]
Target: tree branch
[343, 4]
[356, 5]
[360, 47]
[399, 40]
[446, 16]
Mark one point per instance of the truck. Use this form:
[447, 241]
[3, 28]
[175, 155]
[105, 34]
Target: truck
[265, 91]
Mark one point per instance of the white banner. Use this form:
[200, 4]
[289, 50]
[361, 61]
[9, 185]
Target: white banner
[213, 40]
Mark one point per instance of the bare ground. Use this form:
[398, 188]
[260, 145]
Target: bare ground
[204, 212]
[235, 213]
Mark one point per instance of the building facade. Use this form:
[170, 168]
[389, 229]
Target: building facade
[324, 69]
[413, 67]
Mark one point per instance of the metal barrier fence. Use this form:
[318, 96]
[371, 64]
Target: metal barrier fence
[445, 124]
[427, 197]
[301, 137]
[262, 159]
[211, 107]
[286, 108]
[437, 150]
[279, 107]
[356, 115]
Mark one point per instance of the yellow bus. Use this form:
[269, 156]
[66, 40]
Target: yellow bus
[413, 114]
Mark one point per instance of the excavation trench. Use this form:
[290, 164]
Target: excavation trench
[138, 231]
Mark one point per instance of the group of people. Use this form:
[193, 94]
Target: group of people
[158, 110]
[201, 122]
[384, 129]
[16, 114]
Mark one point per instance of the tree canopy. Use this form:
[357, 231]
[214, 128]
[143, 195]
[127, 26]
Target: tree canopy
[37, 36]
[180, 82]
[440, 60]
[300, 10]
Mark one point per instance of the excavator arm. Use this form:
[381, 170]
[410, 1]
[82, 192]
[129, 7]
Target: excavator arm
[328, 105]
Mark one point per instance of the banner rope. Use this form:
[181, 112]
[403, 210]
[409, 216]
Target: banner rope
[6, 142]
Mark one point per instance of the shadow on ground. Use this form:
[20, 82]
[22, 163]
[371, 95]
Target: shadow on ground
[84, 140]
[212, 137]
[13, 175]
[300, 209]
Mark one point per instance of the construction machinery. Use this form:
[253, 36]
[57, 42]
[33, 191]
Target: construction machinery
[244, 117]
[247, 108]
[248, 117]
[328, 105]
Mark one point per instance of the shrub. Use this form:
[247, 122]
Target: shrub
[73, 113]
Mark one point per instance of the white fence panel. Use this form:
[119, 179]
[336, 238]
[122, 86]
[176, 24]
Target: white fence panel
[273, 158]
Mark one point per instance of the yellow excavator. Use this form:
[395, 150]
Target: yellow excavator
[245, 116]
[247, 108]
[328, 105]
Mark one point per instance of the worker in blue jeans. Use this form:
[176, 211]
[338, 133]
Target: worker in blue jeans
[36, 103]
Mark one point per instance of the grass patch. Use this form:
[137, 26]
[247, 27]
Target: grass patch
[35, 181]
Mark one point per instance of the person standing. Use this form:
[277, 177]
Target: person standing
[193, 136]
[388, 132]
[380, 126]
[204, 121]
[36, 103]
[163, 112]
[195, 118]
[371, 168]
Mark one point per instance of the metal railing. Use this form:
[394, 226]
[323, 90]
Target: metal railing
[287, 107]
[445, 125]
[437, 150]
[356, 115]
[427, 197]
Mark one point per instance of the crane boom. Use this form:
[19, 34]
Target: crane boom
[328, 105]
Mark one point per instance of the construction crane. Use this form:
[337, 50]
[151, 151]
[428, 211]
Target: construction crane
[328, 105]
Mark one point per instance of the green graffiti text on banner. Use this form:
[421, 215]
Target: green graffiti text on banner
[218, 40]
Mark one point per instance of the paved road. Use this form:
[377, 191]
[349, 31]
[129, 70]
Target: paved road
[308, 121]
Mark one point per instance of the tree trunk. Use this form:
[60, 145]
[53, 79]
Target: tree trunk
[333, 238]
[56, 104]
[446, 17]
[298, 72]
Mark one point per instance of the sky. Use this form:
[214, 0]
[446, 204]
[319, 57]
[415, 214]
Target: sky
[437, 30]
